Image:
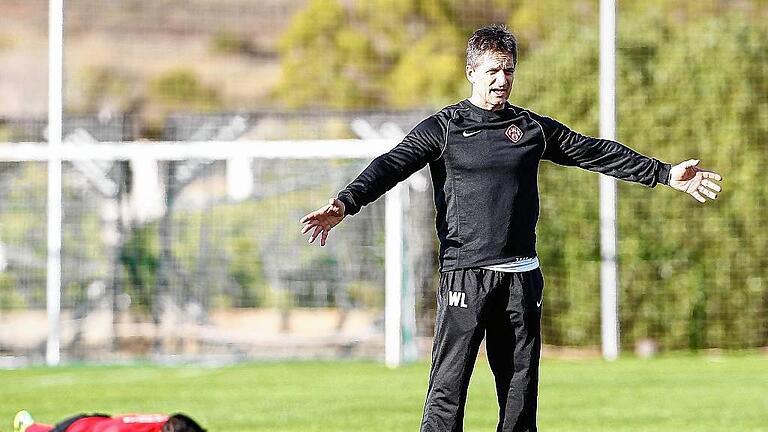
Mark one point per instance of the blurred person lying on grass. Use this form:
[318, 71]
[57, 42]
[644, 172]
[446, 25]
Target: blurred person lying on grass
[23, 422]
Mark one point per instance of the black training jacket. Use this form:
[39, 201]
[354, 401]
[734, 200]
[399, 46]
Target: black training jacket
[484, 167]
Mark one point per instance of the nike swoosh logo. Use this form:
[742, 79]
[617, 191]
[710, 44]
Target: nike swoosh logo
[470, 133]
[538, 303]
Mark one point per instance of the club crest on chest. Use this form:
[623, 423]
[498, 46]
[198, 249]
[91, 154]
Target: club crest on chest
[513, 133]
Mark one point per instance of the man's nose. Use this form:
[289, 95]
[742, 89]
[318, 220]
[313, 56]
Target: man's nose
[499, 77]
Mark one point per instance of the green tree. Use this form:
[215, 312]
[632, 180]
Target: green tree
[400, 53]
[140, 259]
[691, 82]
[180, 88]
[696, 274]
[245, 269]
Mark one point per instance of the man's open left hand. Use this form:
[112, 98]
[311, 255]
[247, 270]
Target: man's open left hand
[697, 182]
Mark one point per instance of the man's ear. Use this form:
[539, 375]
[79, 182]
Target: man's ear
[470, 74]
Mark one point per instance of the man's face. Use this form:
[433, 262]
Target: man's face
[492, 80]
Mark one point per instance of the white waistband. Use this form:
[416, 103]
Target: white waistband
[516, 266]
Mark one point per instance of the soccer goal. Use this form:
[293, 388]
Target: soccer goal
[176, 250]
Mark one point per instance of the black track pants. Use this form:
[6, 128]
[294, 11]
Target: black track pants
[506, 309]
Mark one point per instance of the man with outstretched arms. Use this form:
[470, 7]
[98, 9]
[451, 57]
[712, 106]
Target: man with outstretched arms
[484, 155]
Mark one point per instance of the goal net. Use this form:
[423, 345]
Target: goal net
[192, 249]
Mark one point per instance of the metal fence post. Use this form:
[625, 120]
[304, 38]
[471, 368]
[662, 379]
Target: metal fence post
[55, 110]
[608, 195]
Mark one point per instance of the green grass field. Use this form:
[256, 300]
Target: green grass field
[675, 393]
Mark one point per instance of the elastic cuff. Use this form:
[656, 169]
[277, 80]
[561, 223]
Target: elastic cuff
[663, 174]
[349, 204]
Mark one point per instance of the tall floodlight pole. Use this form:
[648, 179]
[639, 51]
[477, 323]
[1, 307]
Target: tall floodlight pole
[609, 309]
[55, 108]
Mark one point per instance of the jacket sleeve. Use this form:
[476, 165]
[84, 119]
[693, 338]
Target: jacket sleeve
[421, 146]
[569, 148]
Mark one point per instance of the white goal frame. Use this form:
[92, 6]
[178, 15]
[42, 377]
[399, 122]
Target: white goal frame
[397, 346]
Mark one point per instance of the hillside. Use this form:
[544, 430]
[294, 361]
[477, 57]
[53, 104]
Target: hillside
[120, 53]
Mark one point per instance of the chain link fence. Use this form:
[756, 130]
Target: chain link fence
[167, 258]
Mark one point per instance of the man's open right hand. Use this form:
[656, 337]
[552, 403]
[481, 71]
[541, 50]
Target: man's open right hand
[322, 220]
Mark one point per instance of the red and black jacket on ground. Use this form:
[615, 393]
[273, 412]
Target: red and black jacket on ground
[104, 423]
